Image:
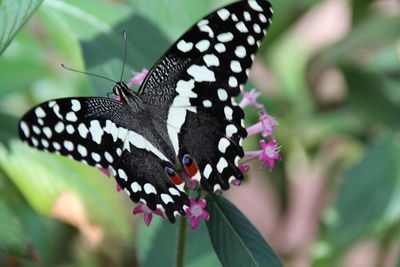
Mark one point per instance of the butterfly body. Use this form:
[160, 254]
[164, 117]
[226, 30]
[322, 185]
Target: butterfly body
[183, 117]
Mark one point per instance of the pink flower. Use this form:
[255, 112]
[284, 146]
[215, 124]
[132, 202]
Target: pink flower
[105, 171]
[267, 155]
[249, 98]
[191, 184]
[138, 77]
[244, 168]
[196, 211]
[265, 126]
[147, 213]
[270, 152]
[119, 188]
[236, 181]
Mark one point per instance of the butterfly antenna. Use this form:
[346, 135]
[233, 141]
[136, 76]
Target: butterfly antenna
[87, 73]
[125, 52]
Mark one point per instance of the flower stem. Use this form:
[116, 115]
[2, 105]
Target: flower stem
[181, 242]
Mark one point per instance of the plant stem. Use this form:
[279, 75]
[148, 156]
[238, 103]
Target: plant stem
[181, 242]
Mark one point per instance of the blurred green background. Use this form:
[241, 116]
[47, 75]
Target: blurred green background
[329, 72]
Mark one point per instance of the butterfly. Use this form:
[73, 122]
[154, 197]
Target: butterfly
[182, 118]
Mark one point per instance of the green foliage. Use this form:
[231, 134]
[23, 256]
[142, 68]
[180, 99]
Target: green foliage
[14, 14]
[350, 139]
[236, 241]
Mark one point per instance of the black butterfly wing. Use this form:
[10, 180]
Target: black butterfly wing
[108, 134]
[193, 86]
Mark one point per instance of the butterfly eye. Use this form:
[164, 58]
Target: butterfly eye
[173, 175]
[190, 165]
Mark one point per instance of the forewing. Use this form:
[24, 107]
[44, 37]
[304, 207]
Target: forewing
[193, 86]
[101, 133]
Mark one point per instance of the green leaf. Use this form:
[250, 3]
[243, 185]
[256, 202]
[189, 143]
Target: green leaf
[365, 36]
[13, 240]
[236, 241]
[163, 13]
[13, 15]
[42, 177]
[99, 31]
[367, 94]
[158, 243]
[364, 196]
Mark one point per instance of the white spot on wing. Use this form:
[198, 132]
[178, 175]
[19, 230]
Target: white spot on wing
[242, 27]
[246, 15]
[149, 189]
[262, 18]
[108, 157]
[122, 175]
[68, 145]
[203, 45]
[35, 142]
[71, 116]
[223, 144]
[75, 105]
[40, 112]
[202, 22]
[225, 37]
[83, 131]
[206, 28]
[235, 66]
[257, 28]
[220, 47]
[96, 131]
[70, 129]
[211, 60]
[25, 128]
[59, 127]
[254, 5]
[96, 157]
[136, 187]
[184, 88]
[45, 143]
[222, 94]
[173, 191]
[184, 46]
[250, 40]
[228, 113]
[237, 158]
[47, 132]
[240, 51]
[222, 164]
[230, 130]
[56, 109]
[36, 129]
[223, 14]
[232, 82]
[201, 73]
[82, 150]
[56, 146]
[217, 188]
[207, 103]
[207, 171]
[166, 198]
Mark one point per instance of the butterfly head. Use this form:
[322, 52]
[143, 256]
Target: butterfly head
[121, 89]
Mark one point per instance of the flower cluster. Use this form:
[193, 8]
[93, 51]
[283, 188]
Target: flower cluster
[268, 153]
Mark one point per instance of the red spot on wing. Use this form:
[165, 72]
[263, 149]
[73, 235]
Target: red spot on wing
[191, 166]
[173, 176]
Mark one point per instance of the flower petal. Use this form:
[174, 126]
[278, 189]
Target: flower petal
[147, 218]
[194, 222]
